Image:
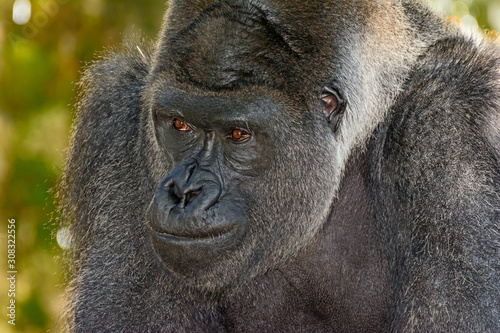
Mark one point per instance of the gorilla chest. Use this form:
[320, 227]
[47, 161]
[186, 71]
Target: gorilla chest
[339, 283]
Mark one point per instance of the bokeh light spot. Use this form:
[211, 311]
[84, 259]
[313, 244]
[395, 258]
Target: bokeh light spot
[21, 12]
[64, 238]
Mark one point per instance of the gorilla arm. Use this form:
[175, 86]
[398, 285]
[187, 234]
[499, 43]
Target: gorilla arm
[437, 169]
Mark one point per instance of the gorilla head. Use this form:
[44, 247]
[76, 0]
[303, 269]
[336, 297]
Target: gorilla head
[234, 113]
[225, 200]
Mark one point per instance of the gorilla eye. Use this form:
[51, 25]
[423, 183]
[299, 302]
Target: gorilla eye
[181, 125]
[331, 104]
[239, 135]
[334, 106]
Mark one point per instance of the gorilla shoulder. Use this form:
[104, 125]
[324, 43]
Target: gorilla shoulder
[437, 161]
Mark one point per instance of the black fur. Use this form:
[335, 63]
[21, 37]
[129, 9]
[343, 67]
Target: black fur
[388, 223]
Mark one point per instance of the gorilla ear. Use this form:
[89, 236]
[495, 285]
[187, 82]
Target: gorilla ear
[335, 105]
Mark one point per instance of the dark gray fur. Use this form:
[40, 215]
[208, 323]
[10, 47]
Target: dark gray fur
[409, 240]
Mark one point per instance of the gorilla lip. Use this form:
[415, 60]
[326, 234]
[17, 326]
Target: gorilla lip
[215, 234]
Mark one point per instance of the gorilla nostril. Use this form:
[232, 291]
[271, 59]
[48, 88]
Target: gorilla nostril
[190, 196]
[175, 194]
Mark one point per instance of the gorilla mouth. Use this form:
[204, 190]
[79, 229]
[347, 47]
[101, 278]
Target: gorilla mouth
[212, 235]
[193, 253]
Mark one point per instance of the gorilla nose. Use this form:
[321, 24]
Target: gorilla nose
[191, 189]
[181, 203]
[203, 197]
[198, 200]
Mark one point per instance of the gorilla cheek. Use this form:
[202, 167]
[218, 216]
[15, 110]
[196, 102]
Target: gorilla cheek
[190, 225]
[302, 199]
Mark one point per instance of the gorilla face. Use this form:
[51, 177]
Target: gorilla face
[253, 162]
[226, 201]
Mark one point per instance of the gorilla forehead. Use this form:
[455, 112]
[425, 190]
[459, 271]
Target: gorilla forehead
[221, 52]
[234, 44]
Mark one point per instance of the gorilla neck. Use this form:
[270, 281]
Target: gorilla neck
[348, 246]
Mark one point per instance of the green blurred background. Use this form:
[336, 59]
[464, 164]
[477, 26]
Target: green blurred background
[40, 61]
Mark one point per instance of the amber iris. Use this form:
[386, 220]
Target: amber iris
[239, 135]
[181, 125]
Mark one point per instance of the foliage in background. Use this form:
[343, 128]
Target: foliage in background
[39, 63]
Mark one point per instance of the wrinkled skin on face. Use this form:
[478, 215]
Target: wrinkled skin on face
[224, 203]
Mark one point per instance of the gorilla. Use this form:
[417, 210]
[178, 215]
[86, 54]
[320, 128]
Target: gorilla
[288, 166]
